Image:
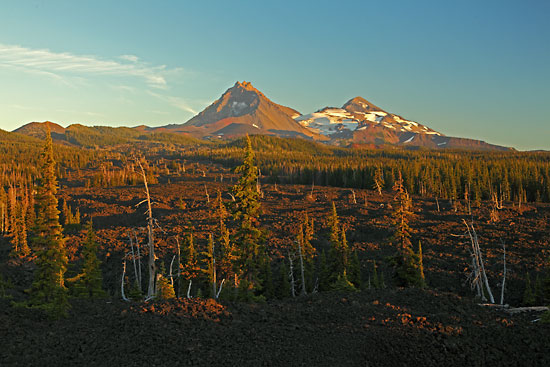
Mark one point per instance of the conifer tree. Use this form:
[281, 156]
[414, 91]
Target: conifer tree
[375, 278]
[421, 262]
[21, 235]
[48, 289]
[90, 280]
[354, 275]
[227, 252]
[528, 295]
[3, 210]
[283, 290]
[324, 272]
[191, 269]
[338, 260]
[164, 288]
[406, 262]
[248, 237]
[378, 180]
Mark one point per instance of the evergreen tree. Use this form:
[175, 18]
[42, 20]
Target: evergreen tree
[283, 290]
[378, 180]
[165, 289]
[227, 252]
[355, 271]
[528, 295]
[90, 281]
[375, 278]
[248, 237]
[539, 291]
[407, 264]
[19, 235]
[324, 272]
[48, 289]
[421, 262]
[191, 269]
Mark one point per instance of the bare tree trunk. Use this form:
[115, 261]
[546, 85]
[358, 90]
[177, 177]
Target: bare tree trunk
[179, 267]
[503, 275]
[151, 244]
[353, 195]
[437, 203]
[134, 260]
[189, 288]
[122, 280]
[171, 267]
[291, 274]
[207, 196]
[479, 275]
[139, 261]
[220, 289]
[214, 280]
[304, 292]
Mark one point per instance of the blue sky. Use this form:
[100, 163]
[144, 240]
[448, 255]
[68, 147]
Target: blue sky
[477, 69]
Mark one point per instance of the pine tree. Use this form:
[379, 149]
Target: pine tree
[191, 269]
[355, 270]
[338, 259]
[375, 278]
[48, 289]
[400, 217]
[421, 263]
[539, 292]
[406, 262]
[528, 295]
[248, 237]
[283, 290]
[227, 251]
[324, 272]
[378, 180]
[165, 289]
[90, 280]
[19, 234]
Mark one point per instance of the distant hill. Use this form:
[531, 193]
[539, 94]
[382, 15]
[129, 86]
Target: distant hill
[38, 129]
[103, 136]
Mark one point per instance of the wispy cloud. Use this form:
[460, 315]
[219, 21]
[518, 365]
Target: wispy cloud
[174, 101]
[132, 58]
[56, 65]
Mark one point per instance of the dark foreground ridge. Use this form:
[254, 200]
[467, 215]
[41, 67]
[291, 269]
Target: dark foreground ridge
[399, 327]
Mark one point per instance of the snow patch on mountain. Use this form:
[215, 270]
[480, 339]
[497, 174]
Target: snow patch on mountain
[331, 120]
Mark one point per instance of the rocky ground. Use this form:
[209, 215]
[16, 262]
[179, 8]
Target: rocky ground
[391, 327]
[442, 325]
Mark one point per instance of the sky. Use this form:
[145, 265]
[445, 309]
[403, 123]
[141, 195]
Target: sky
[476, 69]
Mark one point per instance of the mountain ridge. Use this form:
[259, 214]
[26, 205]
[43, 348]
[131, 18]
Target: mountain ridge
[242, 109]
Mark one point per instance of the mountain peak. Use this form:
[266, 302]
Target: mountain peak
[244, 109]
[360, 104]
[245, 85]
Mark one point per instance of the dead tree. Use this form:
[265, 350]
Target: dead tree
[150, 235]
[312, 188]
[138, 282]
[122, 279]
[138, 258]
[206, 192]
[179, 266]
[478, 277]
[291, 275]
[353, 196]
[503, 274]
[303, 292]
